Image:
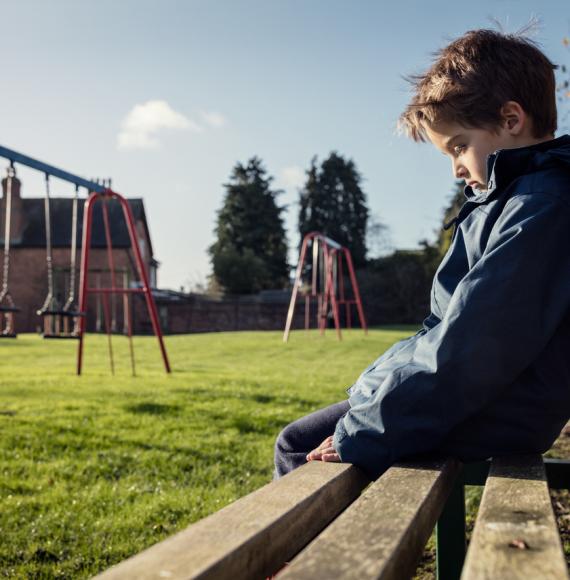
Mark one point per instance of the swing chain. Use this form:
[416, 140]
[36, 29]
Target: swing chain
[49, 298]
[5, 293]
[73, 259]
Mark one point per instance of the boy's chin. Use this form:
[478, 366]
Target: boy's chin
[478, 186]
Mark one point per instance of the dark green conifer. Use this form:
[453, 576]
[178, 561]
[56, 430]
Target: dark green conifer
[250, 253]
[333, 203]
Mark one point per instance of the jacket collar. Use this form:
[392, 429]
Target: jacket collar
[505, 165]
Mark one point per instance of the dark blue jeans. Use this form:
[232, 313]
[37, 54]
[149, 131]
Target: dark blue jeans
[303, 435]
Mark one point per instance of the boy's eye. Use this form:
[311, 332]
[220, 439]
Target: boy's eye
[458, 149]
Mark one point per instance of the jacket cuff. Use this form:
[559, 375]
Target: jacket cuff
[340, 435]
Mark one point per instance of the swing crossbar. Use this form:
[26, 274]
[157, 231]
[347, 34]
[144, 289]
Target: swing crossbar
[22, 159]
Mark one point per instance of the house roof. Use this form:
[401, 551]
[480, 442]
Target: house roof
[61, 211]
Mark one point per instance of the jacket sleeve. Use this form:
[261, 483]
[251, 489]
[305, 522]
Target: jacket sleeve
[500, 316]
[397, 348]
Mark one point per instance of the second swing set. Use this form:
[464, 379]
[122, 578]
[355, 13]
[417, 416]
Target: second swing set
[325, 284]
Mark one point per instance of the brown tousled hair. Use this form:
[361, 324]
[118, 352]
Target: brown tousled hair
[474, 76]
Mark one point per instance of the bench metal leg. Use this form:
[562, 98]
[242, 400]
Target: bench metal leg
[450, 535]
[558, 473]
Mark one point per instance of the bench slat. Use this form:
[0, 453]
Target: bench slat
[515, 534]
[383, 533]
[256, 534]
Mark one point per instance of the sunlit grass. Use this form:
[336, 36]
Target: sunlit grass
[96, 468]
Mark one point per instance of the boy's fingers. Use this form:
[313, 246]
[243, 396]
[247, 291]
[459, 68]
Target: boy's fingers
[326, 443]
[320, 454]
[331, 457]
[322, 448]
[314, 454]
[325, 447]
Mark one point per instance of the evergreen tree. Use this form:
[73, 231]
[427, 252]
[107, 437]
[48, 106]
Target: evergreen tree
[250, 253]
[333, 203]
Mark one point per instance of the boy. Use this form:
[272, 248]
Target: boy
[489, 372]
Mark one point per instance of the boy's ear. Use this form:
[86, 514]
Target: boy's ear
[515, 119]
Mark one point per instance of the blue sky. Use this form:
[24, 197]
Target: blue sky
[166, 96]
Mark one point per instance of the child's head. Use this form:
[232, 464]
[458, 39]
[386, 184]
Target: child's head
[495, 90]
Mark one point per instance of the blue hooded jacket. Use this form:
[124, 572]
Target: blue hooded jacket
[489, 372]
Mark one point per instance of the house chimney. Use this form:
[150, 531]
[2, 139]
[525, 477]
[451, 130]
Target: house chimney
[16, 183]
[16, 210]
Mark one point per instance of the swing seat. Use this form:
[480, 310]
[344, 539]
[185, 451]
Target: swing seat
[62, 336]
[63, 313]
[5, 313]
[61, 331]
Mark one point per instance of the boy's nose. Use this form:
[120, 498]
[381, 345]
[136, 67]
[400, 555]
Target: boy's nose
[459, 170]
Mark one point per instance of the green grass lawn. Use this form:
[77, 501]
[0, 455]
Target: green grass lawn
[96, 468]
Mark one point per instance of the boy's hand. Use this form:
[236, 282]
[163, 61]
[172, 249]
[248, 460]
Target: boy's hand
[324, 452]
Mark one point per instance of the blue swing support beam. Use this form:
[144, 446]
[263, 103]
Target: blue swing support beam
[15, 157]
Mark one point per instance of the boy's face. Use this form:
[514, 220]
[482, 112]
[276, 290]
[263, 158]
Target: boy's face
[468, 149]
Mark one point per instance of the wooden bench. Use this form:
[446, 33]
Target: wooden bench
[328, 522]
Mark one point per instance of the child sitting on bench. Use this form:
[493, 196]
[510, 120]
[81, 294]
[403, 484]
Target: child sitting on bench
[489, 372]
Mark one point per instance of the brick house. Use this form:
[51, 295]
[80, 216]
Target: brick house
[28, 269]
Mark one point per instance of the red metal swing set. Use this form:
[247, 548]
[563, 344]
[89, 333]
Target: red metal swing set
[326, 286]
[57, 320]
[143, 287]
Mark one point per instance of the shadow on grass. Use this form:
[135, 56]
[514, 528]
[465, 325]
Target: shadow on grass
[153, 409]
[264, 399]
[246, 425]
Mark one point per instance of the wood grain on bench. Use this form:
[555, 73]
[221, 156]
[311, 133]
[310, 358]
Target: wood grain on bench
[515, 534]
[253, 536]
[383, 533]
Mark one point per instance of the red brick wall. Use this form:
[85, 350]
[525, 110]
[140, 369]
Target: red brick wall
[28, 282]
[202, 315]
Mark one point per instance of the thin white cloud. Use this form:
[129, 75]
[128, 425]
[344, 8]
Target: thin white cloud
[292, 177]
[145, 121]
[213, 119]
